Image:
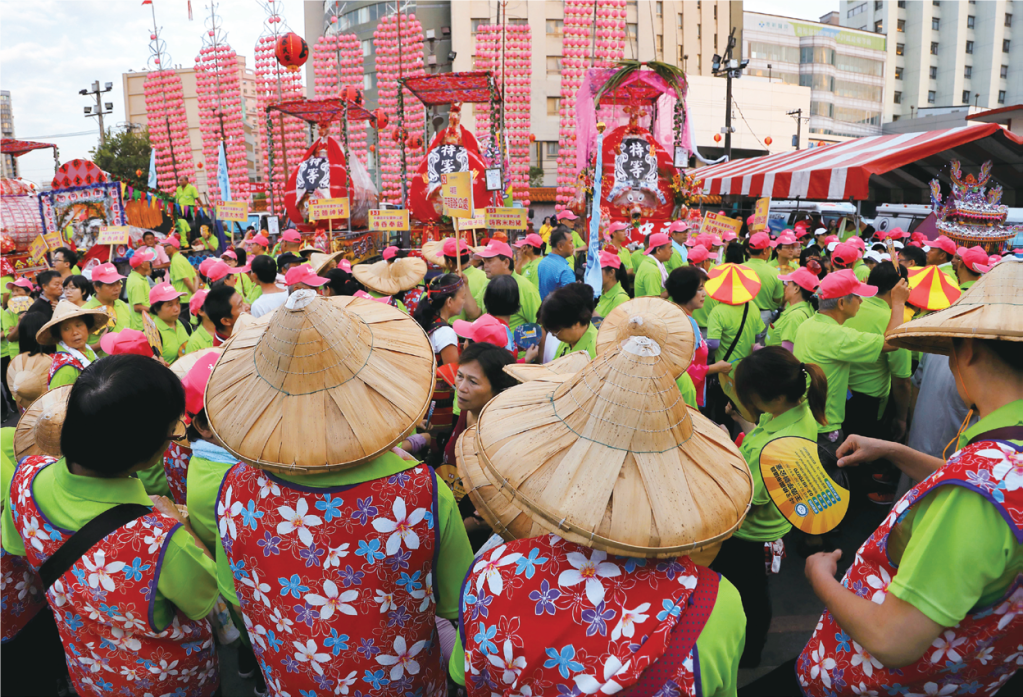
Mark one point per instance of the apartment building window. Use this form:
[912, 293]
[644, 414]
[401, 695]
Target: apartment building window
[659, 42]
[936, 3]
[897, 97]
[659, 8]
[971, 21]
[935, 23]
[553, 106]
[934, 48]
[898, 73]
[968, 72]
[1005, 45]
[969, 47]
[879, 27]
[931, 96]
[900, 49]
[367, 47]
[555, 27]
[552, 148]
[901, 26]
[715, 11]
[901, 4]
[932, 72]
[1001, 96]
[859, 9]
[1004, 72]
[878, 5]
[632, 31]
[1008, 20]
[553, 65]
[699, 31]
[475, 24]
[369, 81]
[966, 96]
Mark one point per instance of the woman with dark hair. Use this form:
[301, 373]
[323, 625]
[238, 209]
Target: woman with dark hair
[798, 298]
[735, 253]
[566, 315]
[69, 330]
[77, 289]
[340, 282]
[613, 275]
[501, 298]
[788, 397]
[165, 306]
[443, 299]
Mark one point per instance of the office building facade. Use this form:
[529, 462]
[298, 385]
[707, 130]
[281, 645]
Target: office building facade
[9, 162]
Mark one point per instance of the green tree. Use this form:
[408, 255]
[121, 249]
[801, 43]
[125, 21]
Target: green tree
[124, 153]
[535, 176]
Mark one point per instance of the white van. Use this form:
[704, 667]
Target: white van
[783, 214]
[904, 215]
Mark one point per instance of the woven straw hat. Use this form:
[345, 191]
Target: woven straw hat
[38, 431]
[388, 278]
[27, 377]
[67, 310]
[326, 384]
[508, 520]
[663, 321]
[613, 459]
[558, 370]
[988, 310]
[318, 260]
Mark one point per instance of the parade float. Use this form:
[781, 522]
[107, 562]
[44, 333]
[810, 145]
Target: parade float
[973, 214]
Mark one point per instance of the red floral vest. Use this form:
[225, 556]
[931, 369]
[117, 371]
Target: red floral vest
[61, 359]
[980, 653]
[336, 584]
[543, 616]
[175, 466]
[104, 606]
[21, 593]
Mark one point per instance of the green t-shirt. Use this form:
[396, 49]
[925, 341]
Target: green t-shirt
[688, 390]
[637, 258]
[529, 301]
[610, 300]
[702, 314]
[765, 523]
[719, 645]
[7, 463]
[122, 320]
[835, 348]
[186, 195]
[529, 272]
[587, 342]
[8, 321]
[173, 338]
[477, 283]
[245, 286]
[180, 269]
[784, 328]
[211, 243]
[648, 280]
[254, 292]
[861, 271]
[204, 478]
[875, 379]
[577, 242]
[199, 340]
[947, 269]
[771, 290]
[674, 262]
[626, 259]
[454, 555]
[137, 288]
[723, 324]
[186, 577]
[66, 375]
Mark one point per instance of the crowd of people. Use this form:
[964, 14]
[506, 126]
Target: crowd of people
[462, 470]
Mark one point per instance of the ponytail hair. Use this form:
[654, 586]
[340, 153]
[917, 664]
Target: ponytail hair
[437, 293]
[774, 372]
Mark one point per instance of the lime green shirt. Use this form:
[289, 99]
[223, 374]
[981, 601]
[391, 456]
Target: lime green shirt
[648, 280]
[529, 301]
[122, 320]
[7, 463]
[835, 348]
[626, 259]
[204, 478]
[861, 271]
[173, 338]
[719, 645]
[255, 290]
[587, 342]
[8, 321]
[199, 340]
[187, 577]
[875, 379]
[702, 314]
[771, 290]
[477, 283]
[637, 258]
[723, 324]
[529, 272]
[245, 286]
[211, 243]
[784, 328]
[453, 556]
[764, 522]
[610, 300]
[66, 375]
[688, 390]
[137, 288]
[397, 303]
[186, 195]
[181, 269]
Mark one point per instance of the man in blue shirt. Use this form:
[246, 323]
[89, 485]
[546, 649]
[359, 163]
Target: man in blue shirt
[554, 271]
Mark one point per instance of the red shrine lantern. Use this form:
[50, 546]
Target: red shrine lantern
[352, 94]
[768, 140]
[414, 141]
[381, 119]
[717, 137]
[292, 51]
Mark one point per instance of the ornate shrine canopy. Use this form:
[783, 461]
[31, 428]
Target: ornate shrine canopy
[12, 146]
[468, 88]
[642, 86]
[323, 110]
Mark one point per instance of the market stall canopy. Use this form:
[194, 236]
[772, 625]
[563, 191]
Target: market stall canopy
[322, 110]
[13, 146]
[848, 170]
[469, 88]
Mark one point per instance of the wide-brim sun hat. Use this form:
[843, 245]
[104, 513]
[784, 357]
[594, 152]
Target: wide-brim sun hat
[988, 310]
[38, 430]
[318, 260]
[656, 318]
[352, 376]
[390, 277]
[66, 310]
[27, 377]
[557, 370]
[613, 459]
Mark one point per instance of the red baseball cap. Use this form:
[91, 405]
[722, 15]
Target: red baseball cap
[975, 258]
[219, 270]
[761, 240]
[449, 248]
[141, 256]
[803, 278]
[195, 304]
[389, 252]
[785, 238]
[486, 328]
[303, 273]
[291, 236]
[260, 240]
[565, 215]
[532, 239]
[496, 248]
[163, 292]
[801, 231]
[345, 266]
[896, 233]
[698, 254]
[845, 254]
[195, 381]
[839, 284]
[945, 244]
[658, 239]
[609, 260]
[171, 241]
[125, 341]
[918, 237]
[106, 273]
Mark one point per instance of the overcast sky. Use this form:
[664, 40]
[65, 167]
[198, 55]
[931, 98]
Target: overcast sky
[49, 50]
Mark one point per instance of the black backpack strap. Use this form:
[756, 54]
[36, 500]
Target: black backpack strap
[742, 325]
[83, 540]
[1003, 433]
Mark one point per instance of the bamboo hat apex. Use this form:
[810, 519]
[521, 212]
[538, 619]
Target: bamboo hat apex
[38, 431]
[390, 277]
[325, 384]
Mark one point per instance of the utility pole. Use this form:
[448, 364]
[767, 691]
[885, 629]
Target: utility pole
[730, 68]
[798, 114]
[98, 110]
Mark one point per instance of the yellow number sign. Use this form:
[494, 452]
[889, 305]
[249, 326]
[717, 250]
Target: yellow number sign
[760, 212]
[37, 248]
[715, 224]
[113, 234]
[456, 194]
[506, 218]
[236, 211]
[388, 220]
[328, 209]
[799, 486]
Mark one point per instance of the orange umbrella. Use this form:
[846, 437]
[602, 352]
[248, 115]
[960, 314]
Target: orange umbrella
[931, 289]
[732, 284]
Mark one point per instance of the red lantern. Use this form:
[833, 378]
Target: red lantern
[414, 141]
[352, 94]
[398, 135]
[532, 138]
[381, 119]
[372, 148]
[138, 173]
[198, 165]
[717, 137]
[768, 140]
[292, 51]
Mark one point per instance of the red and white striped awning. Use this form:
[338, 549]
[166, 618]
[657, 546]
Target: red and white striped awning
[843, 171]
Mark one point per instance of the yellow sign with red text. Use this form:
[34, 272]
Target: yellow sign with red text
[113, 234]
[506, 218]
[37, 249]
[53, 240]
[328, 208]
[760, 211]
[235, 211]
[456, 194]
[388, 220]
[715, 224]
[476, 222]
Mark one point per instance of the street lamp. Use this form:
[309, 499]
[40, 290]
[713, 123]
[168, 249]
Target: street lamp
[99, 112]
[729, 68]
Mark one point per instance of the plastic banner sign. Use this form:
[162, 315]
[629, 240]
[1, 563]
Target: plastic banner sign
[799, 486]
[328, 208]
[113, 234]
[714, 224]
[37, 249]
[506, 218]
[235, 211]
[760, 211]
[388, 220]
[456, 194]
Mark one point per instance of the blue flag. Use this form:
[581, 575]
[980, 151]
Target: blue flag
[222, 181]
[593, 274]
[152, 169]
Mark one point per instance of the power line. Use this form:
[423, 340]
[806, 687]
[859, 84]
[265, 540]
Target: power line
[59, 135]
[736, 103]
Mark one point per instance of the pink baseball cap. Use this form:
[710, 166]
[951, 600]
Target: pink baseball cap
[230, 253]
[857, 241]
[845, 254]
[831, 238]
[303, 273]
[839, 284]
[761, 240]
[618, 225]
[171, 242]
[452, 247]
[678, 226]
[896, 233]
[219, 270]
[975, 258]
[260, 240]
[609, 260]
[994, 259]
[801, 231]
[786, 238]
[141, 256]
[918, 237]
[125, 341]
[345, 266]
[195, 304]
[496, 248]
[803, 278]
[532, 239]
[658, 239]
[195, 381]
[729, 236]
[698, 254]
[106, 273]
[749, 220]
[945, 244]
[565, 215]
[486, 328]
[21, 283]
[163, 292]
[291, 236]
[205, 264]
[389, 252]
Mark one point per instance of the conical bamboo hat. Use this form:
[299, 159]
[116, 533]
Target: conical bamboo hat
[614, 459]
[558, 370]
[326, 384]
[38, 431]
[27, 376]
[388, 278]
[990, 309]
[663, 321]
[318, 260]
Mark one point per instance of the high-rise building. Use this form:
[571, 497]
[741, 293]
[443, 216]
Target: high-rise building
[844, 69]
[943, 53]
[10, 163]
